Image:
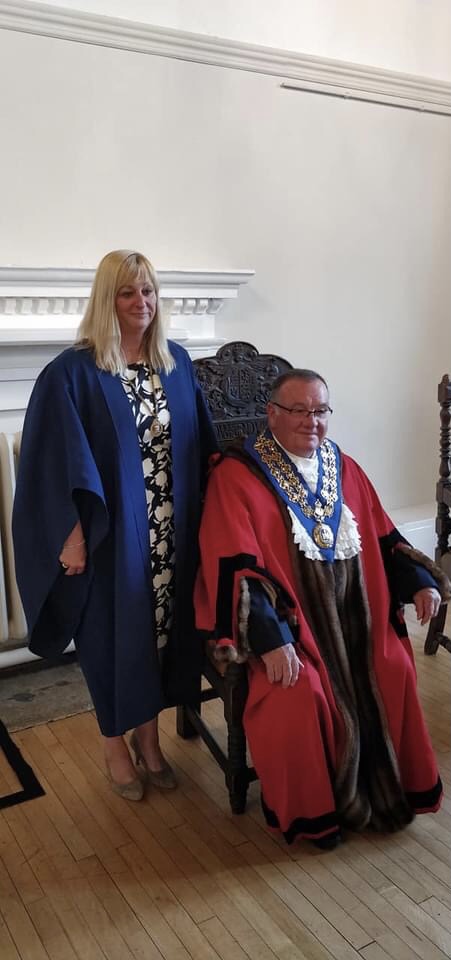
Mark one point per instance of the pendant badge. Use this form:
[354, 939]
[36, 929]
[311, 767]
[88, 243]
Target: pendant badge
[156, 428]
[323, 535]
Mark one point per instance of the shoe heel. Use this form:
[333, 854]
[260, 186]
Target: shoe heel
[139, 758]
[164, 778]
[134, 790]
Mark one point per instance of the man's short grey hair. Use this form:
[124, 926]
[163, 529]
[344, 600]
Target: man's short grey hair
[295, 374]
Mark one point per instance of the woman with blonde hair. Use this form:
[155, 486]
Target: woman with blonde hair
[114, 451]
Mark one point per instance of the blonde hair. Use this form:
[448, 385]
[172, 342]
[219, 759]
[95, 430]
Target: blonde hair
[100, 331]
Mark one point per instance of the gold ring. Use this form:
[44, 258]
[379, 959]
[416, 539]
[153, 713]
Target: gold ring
[65, 566]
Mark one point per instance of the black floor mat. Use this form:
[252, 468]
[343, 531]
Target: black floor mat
[31, 787]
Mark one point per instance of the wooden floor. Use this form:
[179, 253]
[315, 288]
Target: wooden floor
[84, 874]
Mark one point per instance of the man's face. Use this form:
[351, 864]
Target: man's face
[298, 431]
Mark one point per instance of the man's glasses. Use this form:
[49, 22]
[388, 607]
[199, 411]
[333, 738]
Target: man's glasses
[303, 413]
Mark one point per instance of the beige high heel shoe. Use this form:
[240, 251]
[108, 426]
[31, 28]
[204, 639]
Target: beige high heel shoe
[134, 790]
[165, 778]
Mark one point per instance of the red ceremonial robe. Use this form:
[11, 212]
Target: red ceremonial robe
[300, 737]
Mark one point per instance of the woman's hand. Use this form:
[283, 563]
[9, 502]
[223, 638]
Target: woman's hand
[73, 555]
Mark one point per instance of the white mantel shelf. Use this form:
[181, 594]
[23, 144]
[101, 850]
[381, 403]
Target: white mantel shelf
[44, 305]
[41, 308]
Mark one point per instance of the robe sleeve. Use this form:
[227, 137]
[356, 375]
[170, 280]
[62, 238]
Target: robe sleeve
[408, 570]
[408, 575]
[58, 483]
[267, 630]
[226, 596]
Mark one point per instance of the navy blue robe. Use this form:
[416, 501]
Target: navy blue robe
[80, 459]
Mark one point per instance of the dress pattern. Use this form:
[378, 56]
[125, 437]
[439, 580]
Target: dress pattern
[153, 423]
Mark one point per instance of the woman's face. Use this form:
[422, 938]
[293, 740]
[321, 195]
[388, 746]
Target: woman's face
[136, 304]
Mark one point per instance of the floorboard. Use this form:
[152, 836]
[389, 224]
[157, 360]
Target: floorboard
[85, 875]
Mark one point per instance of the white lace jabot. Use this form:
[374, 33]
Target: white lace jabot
[347, 543]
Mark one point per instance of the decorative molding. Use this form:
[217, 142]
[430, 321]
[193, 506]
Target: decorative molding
[45, 305]
[317, 74]
[83, 276]
[41, 308]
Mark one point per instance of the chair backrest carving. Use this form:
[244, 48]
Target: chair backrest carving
[237, 383]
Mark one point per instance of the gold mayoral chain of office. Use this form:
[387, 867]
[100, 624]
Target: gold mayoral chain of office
[294, 486]
[156, 427]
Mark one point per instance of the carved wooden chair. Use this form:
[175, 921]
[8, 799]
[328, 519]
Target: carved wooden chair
[236, 383]
[435, 636]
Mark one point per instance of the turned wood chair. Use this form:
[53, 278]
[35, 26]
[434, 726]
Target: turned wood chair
[236, 383]
[435, 636]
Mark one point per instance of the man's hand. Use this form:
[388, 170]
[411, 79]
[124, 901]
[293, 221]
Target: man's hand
[427, 603]
[282, 664]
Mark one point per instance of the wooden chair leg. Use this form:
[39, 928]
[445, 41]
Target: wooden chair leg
[237, 773]
[184, 726]
[435, 628]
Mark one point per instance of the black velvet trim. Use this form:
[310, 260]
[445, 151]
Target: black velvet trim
[399, 624]
[404, 576]
[31, 787]
[389, 540]
[224, 603]
[387, 544]
[228, 566]
[310, 828]
[420, 800]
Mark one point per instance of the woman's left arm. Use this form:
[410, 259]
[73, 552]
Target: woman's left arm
[73, 555]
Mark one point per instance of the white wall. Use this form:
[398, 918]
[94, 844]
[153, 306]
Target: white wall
[342, 208]
[413, 36]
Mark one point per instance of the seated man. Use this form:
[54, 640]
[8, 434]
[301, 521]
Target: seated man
[303, 574]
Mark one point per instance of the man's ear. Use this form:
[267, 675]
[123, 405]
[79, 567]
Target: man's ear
[271, 414]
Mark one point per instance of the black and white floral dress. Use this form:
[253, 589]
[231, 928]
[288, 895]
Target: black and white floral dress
[153, 423]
